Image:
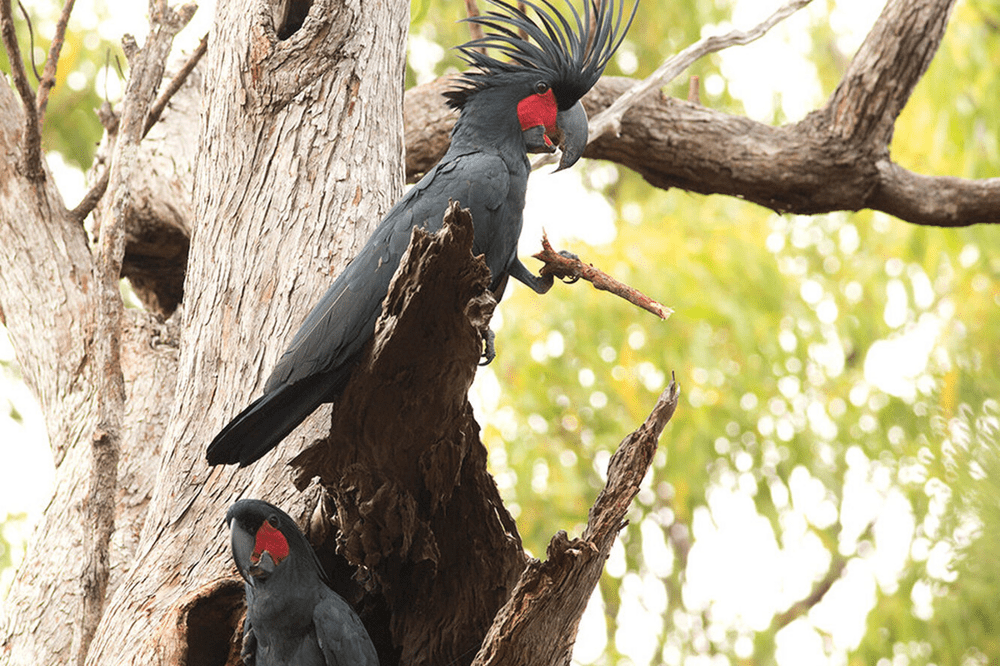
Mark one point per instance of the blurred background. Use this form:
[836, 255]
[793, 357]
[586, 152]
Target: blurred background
[828, 491]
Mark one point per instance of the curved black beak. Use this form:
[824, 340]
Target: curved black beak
[575, 131]
[242, 543]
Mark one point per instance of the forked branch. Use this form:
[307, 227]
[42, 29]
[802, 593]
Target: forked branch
[94, 194]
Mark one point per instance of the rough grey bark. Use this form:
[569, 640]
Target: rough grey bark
[297, 161]
[326, 101]
[146, 72]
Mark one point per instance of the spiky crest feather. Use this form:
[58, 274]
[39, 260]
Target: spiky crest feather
[569, 56]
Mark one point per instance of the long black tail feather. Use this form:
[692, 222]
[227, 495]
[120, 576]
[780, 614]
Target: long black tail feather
[268, 420]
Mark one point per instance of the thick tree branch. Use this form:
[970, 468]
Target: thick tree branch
[881, 76]
[939, 201]
[544, 610]
[145, 75]
[31, 137]
[835, 159]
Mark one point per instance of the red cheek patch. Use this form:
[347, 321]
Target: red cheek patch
[536, 110]
[269, 540]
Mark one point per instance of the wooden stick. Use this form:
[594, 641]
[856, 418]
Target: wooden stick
[565, 268]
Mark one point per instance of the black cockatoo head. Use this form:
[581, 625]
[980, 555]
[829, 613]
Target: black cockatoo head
[546, 74]
[266, 542]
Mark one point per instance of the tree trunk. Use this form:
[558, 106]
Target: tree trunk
[300, 157]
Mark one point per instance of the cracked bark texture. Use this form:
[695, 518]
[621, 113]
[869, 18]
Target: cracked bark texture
[299, 156]
[404, 464]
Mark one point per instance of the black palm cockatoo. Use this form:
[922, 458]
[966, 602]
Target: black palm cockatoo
[292, 616]
[508, 108]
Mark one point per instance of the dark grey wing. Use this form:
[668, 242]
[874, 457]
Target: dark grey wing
[318, 362]
[483, 185]
[343, 320]
[340, 633]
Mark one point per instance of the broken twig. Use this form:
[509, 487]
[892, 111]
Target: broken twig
[564, 267]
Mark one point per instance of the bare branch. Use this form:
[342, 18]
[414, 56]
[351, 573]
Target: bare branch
[32, 136]
[627, 468]
[803, 606]
[610, 119]
[93, 196]
[833, 574]
[31, 38]
[543, 612]
[565, 268]
[175, 84]
[49, 74]
[146, 73]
